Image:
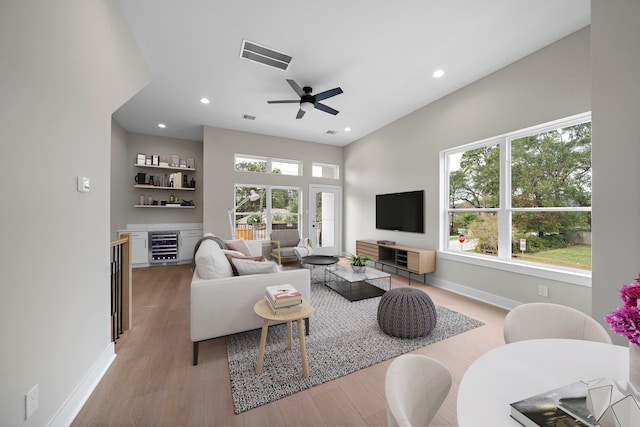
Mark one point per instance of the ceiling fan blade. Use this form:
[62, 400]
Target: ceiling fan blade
[295, 87]
[325, 108]
[328, 93]
[300, 113]
[296, 101]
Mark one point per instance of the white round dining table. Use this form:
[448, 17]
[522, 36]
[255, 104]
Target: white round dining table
[522, 369]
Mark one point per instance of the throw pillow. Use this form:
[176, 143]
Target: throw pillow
[231, 255]
[239, 245]
[246, 267]
[211, 263]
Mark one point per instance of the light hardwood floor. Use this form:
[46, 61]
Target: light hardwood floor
[152, 381]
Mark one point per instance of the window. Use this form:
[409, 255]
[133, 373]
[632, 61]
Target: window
[524, 197]
[260, 209]
[247, 163]
[322, 170]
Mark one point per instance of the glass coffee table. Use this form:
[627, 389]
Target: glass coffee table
[355, 286]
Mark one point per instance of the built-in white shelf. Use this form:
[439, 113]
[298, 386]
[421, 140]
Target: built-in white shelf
[158, 187]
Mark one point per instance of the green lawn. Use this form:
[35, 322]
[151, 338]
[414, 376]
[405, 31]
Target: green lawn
[578, 256]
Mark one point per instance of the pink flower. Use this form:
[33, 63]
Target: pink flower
[630, 294]
[625, 320]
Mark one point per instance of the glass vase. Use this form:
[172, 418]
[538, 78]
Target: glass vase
[634, 367]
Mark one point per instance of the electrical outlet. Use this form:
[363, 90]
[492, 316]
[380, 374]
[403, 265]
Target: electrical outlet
[31, 401]
[543, 291]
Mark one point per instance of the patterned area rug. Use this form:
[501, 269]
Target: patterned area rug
[344, 338]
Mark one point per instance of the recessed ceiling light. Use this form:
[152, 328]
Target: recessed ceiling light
[438, 73]
[162, 125]
[205, 100]
[347, 129]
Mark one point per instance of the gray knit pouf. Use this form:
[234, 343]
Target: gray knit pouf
[406, 313]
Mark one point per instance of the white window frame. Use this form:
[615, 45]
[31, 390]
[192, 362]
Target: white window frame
[503, 260]
[268, 206]
[326, 166]
[270, 163]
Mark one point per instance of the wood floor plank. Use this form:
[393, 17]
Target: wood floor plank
[152, 382]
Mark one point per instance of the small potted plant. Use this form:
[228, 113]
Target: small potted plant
[359, 262]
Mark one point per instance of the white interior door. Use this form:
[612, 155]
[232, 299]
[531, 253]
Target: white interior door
[325, 219]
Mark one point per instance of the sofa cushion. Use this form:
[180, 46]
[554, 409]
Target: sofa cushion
[246, 266]
[211, 263]
[231, 255]
[239, 245]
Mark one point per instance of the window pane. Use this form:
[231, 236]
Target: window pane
[246, 217]
[474, 178]
[250, 164]
[285, 167]
[479, 230]
[558, 238]
[284, 208]
[552, 169]
[320, 170]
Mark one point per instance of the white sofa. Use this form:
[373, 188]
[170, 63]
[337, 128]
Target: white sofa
[224, 306]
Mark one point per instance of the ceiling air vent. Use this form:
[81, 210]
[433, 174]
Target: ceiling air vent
[248, 117]
[332, 132]
[264, 55]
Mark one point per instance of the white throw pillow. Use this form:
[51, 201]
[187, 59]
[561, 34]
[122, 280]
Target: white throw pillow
[246, 267]
[211, 262]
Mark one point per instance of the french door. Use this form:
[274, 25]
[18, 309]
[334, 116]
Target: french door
[325, 219]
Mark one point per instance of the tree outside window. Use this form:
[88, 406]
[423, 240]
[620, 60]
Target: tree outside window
[547, 187]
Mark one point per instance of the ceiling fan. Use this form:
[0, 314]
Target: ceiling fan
[308, 101]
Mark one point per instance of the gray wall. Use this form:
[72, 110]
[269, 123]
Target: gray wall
[123, 169]
[549, 84]
[615, 35]
[219, 147]
[120, 205]
[66, 66]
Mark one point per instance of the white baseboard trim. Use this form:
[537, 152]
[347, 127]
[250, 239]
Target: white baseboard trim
[72, 406]
[492, 299]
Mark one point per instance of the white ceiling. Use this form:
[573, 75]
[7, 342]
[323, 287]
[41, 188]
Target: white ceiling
[381, 53]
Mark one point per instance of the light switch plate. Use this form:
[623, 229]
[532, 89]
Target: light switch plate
[84, 184]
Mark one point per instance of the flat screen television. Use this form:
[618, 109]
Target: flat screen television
[400, 211]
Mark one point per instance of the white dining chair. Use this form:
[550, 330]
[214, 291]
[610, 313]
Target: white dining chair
[547, 320]
[415, 387]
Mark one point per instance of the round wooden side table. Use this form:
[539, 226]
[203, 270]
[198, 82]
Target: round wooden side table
[263, 309]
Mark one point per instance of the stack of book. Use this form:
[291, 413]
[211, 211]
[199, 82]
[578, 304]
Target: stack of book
[283, 298]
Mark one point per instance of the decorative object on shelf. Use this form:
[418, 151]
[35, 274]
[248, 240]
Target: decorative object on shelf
[175, 160]
[610, 407]
[141, 199]
[141, 159]
[359, 262]
[191, 163]
[140, 178]
[625, 321]
[186, 203]
[155, 160]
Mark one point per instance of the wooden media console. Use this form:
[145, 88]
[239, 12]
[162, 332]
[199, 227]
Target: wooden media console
[401, 257]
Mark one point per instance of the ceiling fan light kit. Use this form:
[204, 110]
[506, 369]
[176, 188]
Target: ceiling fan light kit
[308, 101]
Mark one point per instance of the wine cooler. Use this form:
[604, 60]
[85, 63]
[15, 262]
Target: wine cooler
[163, 246]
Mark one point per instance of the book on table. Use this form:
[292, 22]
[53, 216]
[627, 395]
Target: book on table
[285, 309]
[283, 295]
[563, 406]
